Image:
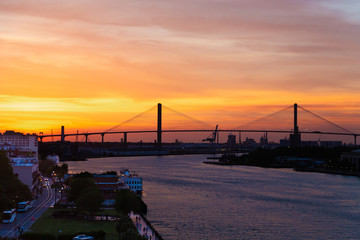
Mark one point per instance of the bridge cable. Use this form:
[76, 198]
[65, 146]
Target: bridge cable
[140, 114]
[265, 117]
[325, 120]
[186, 116]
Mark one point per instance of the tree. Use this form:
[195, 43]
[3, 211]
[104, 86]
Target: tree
[90, 200]
[126, 229]
[78, 183]
[61, 170]
[46, 167]
[127, 201]
[12, 190]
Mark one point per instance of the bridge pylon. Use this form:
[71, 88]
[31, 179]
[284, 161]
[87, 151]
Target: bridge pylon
[159, 130]
[62, 134]
[295, 138]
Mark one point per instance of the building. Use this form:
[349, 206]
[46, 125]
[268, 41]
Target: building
[231, 141]
[22, 151]
[294, 161]
[53, 158]
[131, 180]
[26, 145]
[331, 144]
[108, 185]
[27, 174]
[351, 159]
[250, 142]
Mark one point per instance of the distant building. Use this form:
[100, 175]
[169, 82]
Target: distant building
[231, 140]
[309, 143]
[284, 142]
[351, 159]
[250, 142]
[53, 158]
[263, 140]
[294, 161]
[26, 145]
[331, 144]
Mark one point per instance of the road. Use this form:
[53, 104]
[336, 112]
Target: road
[25, 220]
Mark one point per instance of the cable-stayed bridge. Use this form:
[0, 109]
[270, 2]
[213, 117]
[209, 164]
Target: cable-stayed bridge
[285, 121]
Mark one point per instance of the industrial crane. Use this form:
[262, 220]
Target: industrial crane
[213, 136]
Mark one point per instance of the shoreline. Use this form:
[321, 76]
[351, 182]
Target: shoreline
[317, 170]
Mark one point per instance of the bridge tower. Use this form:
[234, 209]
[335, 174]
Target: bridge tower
[62, 134]
[159, 131]
[295, 138]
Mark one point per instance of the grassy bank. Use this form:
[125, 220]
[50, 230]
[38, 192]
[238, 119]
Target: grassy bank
[47, 224]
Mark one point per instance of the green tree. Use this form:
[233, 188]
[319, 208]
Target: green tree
[90, 200]
[126, 229]
[12, 190]
[46, 167]
[61, 170]
[127, 201]
[78, 183]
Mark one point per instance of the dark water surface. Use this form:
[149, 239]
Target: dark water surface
[190, 200]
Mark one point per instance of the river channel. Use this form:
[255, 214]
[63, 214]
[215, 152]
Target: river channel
[190, 200]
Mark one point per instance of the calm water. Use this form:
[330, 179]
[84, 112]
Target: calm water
[190, 200]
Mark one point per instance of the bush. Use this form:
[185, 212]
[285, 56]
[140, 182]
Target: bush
[38, 236]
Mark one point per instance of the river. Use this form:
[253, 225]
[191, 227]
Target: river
[190, 200]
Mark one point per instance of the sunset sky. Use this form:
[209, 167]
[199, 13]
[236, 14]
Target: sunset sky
[92, 64]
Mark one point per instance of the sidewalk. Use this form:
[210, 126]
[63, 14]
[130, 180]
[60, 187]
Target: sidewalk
[142, 227]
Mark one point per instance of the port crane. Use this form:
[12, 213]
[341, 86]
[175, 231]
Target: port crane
[214, 136]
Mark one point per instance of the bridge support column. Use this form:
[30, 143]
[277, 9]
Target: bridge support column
[62, 134]
[159, 131]
[86, 138]
[355, 140]
[266, 137]
[125, 140]
[295, 138]
[102, 137]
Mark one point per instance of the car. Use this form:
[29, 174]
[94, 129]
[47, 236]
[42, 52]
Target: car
[83, 237]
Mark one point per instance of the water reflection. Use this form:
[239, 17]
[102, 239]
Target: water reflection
[191, 200]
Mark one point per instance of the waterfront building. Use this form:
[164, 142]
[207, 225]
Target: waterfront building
[131, 180]
[351, 159]
[294, 161]
[108, 185]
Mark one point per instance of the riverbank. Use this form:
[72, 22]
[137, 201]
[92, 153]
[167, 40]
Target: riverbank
[330, 171]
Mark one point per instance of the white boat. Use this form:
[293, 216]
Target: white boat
[131, 180]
